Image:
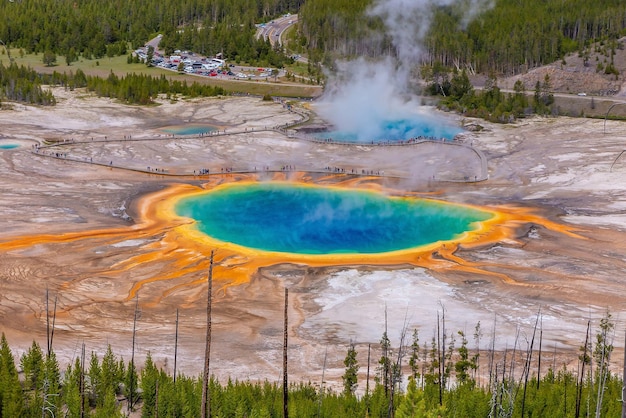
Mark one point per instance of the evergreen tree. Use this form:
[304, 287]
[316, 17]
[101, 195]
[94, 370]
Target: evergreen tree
[71, 390]
[130, 385]
[71, 56]
[546, 91]
[149, 383]
[464, 364]
[413, 404]
[11, 403]
[414, 359]
[49, 58]
[51, 385]
[460, 86]
[602, 355]
[384, 364]
[32, 363]
[352, 370]
[149, 56]
[109, 408]
[96, 392]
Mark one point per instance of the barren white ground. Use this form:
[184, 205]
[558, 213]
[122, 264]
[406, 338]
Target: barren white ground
[560, 166]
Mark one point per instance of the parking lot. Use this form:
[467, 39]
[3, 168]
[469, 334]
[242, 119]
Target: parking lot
[190, 63]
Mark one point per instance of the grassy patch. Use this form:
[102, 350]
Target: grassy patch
[299, 68]
[104, 66]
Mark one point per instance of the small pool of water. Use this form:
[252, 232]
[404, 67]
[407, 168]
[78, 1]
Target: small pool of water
[399, 130]
[302, 219]
[190, 129]
[8, 146]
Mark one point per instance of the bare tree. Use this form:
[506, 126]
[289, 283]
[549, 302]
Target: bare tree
[132, 357]
[322, 387]
[49, 328]
[624, 381]
[584, 360]
[82, 382]
[529, 356]
[492, 352]
[602, 353]
[285, 345]
[205, 409]
[396, 369]
[367, 379]
[539, 355]
[176, 346]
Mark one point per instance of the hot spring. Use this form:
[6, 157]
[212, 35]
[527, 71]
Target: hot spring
[395, 130]
[8, 146]
[191, 129]
[306, 219]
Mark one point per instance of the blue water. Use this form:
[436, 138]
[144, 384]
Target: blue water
[8, 146]
[317, 220]
[396, 131]
[189, 129]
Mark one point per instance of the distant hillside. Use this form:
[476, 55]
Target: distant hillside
[580, 74]
[508, 38]
[106, 28]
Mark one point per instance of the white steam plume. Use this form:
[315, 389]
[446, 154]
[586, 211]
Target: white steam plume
[363, 95]
[407, 22]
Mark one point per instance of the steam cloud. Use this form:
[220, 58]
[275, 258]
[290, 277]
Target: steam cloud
[362, 97]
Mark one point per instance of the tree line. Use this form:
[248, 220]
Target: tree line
[134, 88]
[97, 28]
[508, 38]
[457, 93]
[22, 84]
[447, 376]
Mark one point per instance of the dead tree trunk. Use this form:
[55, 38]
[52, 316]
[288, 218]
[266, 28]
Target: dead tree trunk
[386, 364]
[49, 328]
[439, 360]
[285, 344]
[82, 383]
[441, 351]
[205, 409]
[492, 351]
[156, 399]
[367, 377]
[54, 320]
[579, 393]
[132, 356]
[529, 356]
[396, 369]
[319, 406]
[176, 346]
[47, 323]
[624, 381]
[539, 354]
[367, 381]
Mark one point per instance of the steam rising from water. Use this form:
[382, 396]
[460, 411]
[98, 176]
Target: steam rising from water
[363, 97]
[282, 217]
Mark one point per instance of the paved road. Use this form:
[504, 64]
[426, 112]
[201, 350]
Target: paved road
[274, 30]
